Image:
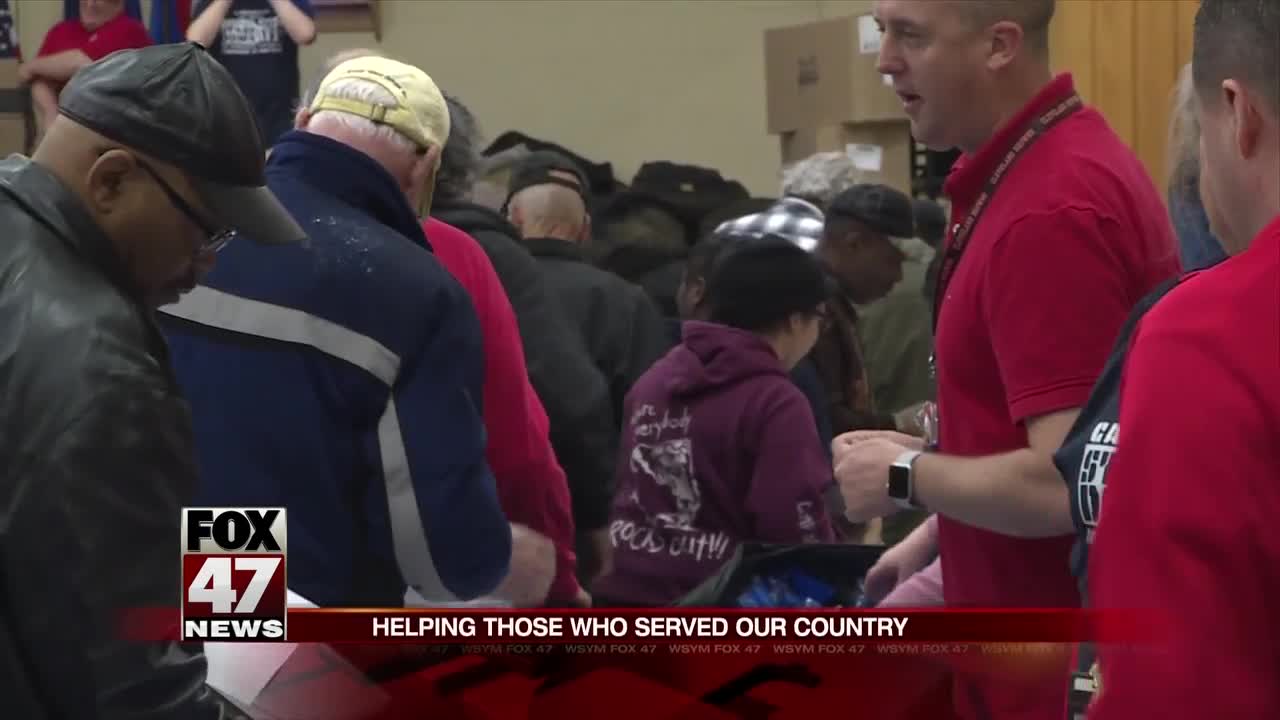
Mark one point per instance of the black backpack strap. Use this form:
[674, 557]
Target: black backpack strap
[1139, 310]
[1084, 678]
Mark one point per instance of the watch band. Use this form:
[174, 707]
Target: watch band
[901, 488]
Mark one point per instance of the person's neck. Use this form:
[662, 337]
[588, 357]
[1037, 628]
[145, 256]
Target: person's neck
[1268, 209]
[552, 232]
[1022, 86]
[781, 347]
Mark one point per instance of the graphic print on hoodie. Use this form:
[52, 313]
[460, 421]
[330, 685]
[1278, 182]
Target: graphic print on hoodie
[719, 447]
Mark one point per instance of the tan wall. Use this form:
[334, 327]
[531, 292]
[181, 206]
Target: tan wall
[635, 80]
[625, 81]
[1125, 56]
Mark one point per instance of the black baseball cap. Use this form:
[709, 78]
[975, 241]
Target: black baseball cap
[879, 207]
[178, 104]
[538, 168]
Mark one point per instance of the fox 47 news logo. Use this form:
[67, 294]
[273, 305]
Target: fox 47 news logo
[233, 574]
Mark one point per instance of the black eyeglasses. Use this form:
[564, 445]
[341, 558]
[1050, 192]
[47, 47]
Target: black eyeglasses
[823, 313]
[215, 239]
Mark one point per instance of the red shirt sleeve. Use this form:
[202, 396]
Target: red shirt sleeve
[532, 487]
[123, 33]
[1055, 296]
[1187, 529]
[61, 37]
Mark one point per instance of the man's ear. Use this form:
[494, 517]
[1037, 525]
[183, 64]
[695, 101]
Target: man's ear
[1246, 120]
[1007, 40]
[697, 290]
[106, 179]
[301, 119]
[584, 236]
[424, 168]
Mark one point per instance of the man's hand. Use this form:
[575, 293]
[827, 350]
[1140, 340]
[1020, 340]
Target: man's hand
[24, 72]
[863, 476]
[898, 563]
[843, 444]
[533, 568]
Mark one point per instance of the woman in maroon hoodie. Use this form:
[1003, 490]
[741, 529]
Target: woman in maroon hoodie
[719, 446]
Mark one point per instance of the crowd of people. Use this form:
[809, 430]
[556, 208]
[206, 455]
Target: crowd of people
[224, 289]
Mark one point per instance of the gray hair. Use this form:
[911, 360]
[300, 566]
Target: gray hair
[460, 160]
[820, 178]
[1184, 135]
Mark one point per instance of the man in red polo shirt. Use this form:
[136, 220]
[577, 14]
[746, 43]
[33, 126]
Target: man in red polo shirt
[1040, 274]
[102, 28]
[1193, 490]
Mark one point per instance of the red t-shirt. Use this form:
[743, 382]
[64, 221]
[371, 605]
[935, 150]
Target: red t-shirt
[1074, 237]
[119, 33]
[532, 487]
[1193, 495]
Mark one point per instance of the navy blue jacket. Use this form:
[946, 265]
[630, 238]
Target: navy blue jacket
[341, 379]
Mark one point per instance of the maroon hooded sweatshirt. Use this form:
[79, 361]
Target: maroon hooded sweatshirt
[718, 447]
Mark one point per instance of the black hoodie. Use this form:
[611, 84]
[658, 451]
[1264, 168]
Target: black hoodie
[571, 388]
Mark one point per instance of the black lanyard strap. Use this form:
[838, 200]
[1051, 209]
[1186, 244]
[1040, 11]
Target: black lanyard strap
[960, 237]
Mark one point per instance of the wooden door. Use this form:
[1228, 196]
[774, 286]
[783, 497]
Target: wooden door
[1125, 56]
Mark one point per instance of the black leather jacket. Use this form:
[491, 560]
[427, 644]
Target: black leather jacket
[95, 463]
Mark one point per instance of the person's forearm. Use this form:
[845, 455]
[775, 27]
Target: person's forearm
[295, 22]
[44, 100]
[205, 27]
[59, 67]
[1019, 493]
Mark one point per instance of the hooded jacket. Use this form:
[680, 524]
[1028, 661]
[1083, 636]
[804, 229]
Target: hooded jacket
[719, 448]
[531, 484]
[617, 321]
[572, 390]
[341, 378]
[97, 458]
[806, 378]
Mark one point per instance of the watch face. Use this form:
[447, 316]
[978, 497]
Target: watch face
[899, 482]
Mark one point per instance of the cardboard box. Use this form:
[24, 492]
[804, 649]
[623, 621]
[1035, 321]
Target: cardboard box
[881, 150]
[824, 74]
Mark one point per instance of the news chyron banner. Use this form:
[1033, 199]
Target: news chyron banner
[234, 586]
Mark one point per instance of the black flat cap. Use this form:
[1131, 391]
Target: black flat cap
[179, 105]
[879, 207]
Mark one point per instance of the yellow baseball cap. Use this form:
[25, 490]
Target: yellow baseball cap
[420, 112]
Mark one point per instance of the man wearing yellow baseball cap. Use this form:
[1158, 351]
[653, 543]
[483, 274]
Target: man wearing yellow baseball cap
[342, 376]
[416, 111]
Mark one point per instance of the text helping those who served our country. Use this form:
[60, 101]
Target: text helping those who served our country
[553, 627]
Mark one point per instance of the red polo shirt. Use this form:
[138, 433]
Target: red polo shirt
[1075, 236]
[1193, 494]
[531, 485]
[119, 33]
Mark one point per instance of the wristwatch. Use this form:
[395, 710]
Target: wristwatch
[902, 481]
